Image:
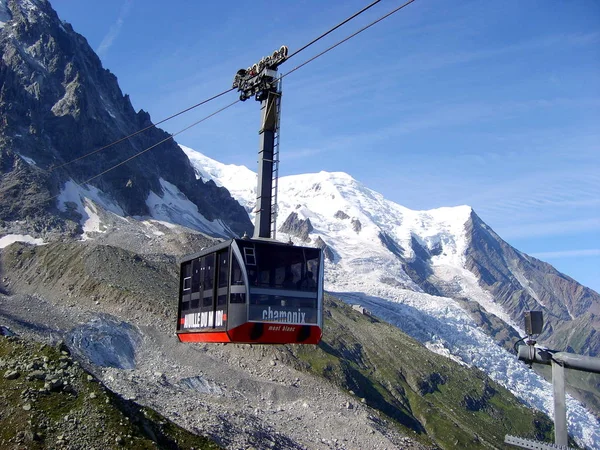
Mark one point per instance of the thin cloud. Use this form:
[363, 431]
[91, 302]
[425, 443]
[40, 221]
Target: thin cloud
[558, 228]
[115, 29]
[429, 62]
[567, 254]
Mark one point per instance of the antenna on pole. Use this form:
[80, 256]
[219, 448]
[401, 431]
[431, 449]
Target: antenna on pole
[261, 81]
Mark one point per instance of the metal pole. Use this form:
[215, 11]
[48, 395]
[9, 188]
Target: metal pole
[533, 354]
[262, 227]
[578, 362]
[561, 437]
[260, 81]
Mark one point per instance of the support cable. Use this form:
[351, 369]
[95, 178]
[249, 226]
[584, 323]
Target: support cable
[141, 131]
[148, 149]
[160, 142]
[231, 89]
[347, 38]
[333, 29]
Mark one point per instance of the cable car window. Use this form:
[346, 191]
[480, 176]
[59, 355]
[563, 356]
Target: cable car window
[237, 277]
[238, 290]
[249, 256]
[223, 268]
[252, 276]
[208, 267]
[238, 297]
[265, 278]
[275, 263]
[286, 290]
[187, 276]
[195, 275]
[209, 271]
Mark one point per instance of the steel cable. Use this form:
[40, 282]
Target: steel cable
[160, 142]
[231, 89]
[347, 38]
[150, 148]
[333, 29]
[141, 131]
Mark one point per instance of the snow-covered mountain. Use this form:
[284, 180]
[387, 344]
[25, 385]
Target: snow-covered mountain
[412, 268]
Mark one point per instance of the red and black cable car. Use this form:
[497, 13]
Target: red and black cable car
[251, 291]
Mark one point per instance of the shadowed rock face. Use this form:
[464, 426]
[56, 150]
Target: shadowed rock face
[356, 225]
[329, 255]
[390, 244]
[295, 226]
[418, 268]
[341, 215]
[520, 282]
[58, 103]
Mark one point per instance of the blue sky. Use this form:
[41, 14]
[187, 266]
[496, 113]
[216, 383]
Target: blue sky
[491, 104]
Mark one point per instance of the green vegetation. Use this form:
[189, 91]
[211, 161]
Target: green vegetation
[48, 401]
[442, 402]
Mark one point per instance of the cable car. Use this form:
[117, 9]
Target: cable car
[251, 291]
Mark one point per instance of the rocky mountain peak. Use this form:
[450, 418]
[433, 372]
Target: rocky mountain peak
[58, 104]
[295, 226]
[520, 283]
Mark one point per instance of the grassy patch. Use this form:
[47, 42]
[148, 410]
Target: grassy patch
[82, 415]
[441, 401]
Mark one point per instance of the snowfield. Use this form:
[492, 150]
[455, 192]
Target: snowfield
[83, 200]
[5, 241]
[352, 219]
[170, 208]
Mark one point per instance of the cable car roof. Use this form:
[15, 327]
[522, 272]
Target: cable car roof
[227, 243]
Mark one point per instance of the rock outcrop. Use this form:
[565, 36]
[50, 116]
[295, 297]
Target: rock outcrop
[297, 227]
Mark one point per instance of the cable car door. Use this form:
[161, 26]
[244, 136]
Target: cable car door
[207, 278]
[222, 289]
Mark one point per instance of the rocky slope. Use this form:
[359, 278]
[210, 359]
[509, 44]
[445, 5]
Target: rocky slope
[48, 401]
[360, 388]
[58, 104]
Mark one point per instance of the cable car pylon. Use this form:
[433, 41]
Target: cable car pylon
[261, 81]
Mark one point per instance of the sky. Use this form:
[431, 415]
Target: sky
[495, 105]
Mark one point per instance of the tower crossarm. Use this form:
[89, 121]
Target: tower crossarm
[258, 79]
